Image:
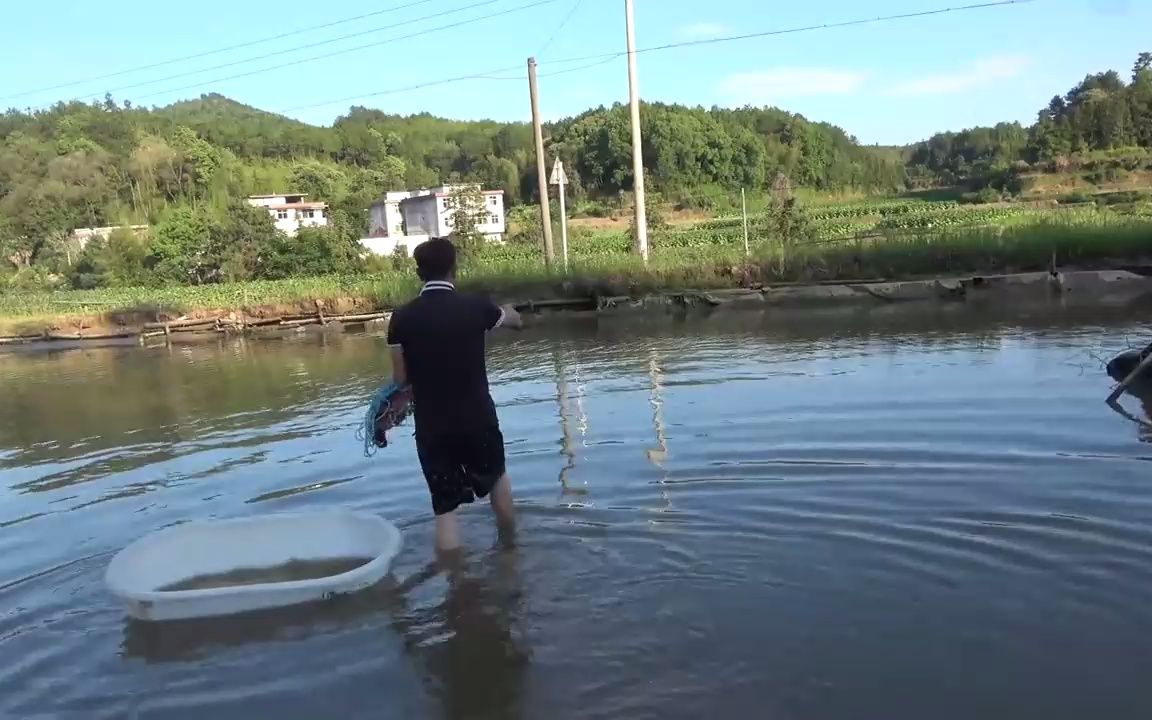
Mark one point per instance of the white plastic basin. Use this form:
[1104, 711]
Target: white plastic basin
[139, 573]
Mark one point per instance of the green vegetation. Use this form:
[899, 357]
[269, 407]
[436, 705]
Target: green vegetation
[821, 205]
[1102, 129]
[953, 239]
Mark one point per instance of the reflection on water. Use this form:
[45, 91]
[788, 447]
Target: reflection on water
[188, 640]
[468, 647]
[472, 652]
[827, 514]
[1142, 392]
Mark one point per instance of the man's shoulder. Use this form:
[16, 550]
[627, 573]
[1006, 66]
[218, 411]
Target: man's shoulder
[406, 308]
[474, 298]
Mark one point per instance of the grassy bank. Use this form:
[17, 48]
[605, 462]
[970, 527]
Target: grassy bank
[851, 242]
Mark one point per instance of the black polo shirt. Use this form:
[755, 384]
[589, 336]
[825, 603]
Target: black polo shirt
[443, 336]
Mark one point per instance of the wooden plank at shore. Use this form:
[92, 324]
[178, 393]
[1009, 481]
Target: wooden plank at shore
[178, 324]
[560, 303]
[92, 336]
[330, 319]
[263, 321]
[359, 318]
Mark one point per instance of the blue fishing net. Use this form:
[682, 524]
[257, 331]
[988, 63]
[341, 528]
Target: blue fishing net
[389, 407]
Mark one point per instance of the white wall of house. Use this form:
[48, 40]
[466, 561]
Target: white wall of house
[432, 214]
[384, 216]
[385, 246]
[494, 224]
[290, 212]
[428, 212]
[422, 216]
[291, 219]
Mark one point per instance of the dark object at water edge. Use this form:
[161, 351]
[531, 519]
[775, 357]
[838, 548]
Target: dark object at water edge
[1121, 366]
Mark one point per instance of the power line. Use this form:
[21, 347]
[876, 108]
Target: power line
[563, 23]
[307, 46]
[608, 57]
[392, 91]
[809, 28]
[848, 23]
[207, 53]
[586, 66]
[481, 75]
[313, 58]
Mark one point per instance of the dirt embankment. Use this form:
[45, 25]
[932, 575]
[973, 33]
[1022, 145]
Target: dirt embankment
[1125, 287]
[129, 321]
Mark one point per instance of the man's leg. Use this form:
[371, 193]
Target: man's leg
[445, 480]
[502, 502]
[447, 533]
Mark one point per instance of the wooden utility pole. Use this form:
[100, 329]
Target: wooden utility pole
[641, 238]
[541, 167]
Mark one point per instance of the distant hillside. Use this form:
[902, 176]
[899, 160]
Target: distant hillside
[1102, 125]
[78, 164]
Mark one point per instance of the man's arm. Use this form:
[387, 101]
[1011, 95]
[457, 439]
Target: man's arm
[399, 369]
[501, 316]
[395, 345]
[512, 319]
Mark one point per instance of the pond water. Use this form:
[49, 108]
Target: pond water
[881, 514]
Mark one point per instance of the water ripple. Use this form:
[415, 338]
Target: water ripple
[807, 515]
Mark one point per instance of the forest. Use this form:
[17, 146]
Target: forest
[184, 170]
[1103, 114]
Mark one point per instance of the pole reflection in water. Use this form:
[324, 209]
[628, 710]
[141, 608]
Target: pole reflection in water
[659, 454]
[563, 402]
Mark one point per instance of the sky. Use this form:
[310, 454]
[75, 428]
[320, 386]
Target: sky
[890, 82]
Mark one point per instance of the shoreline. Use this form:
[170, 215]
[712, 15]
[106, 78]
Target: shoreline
[1123, 285]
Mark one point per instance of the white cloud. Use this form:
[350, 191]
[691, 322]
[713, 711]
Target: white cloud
[765, 87]
[978, 73]
[703, 30]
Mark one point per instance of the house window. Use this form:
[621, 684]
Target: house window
[309, 213]
[281, 214]
[492, 200]
[494, 219]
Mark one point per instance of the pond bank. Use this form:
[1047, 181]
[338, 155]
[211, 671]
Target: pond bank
[1132, 285]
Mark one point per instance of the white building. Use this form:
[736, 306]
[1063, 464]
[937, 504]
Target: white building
[408, 218]
[384, 217]
[291, 212]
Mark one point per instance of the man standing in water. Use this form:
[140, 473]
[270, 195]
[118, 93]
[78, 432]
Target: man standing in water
[438, 344]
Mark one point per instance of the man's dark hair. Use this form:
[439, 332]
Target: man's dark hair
[435, 259]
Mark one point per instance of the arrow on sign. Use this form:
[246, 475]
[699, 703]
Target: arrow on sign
[559, 177]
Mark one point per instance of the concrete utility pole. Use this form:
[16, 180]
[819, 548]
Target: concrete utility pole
[541, 167]
[637, 147]
[744, 209]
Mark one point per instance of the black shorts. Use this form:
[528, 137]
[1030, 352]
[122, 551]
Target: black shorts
[460, 466]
